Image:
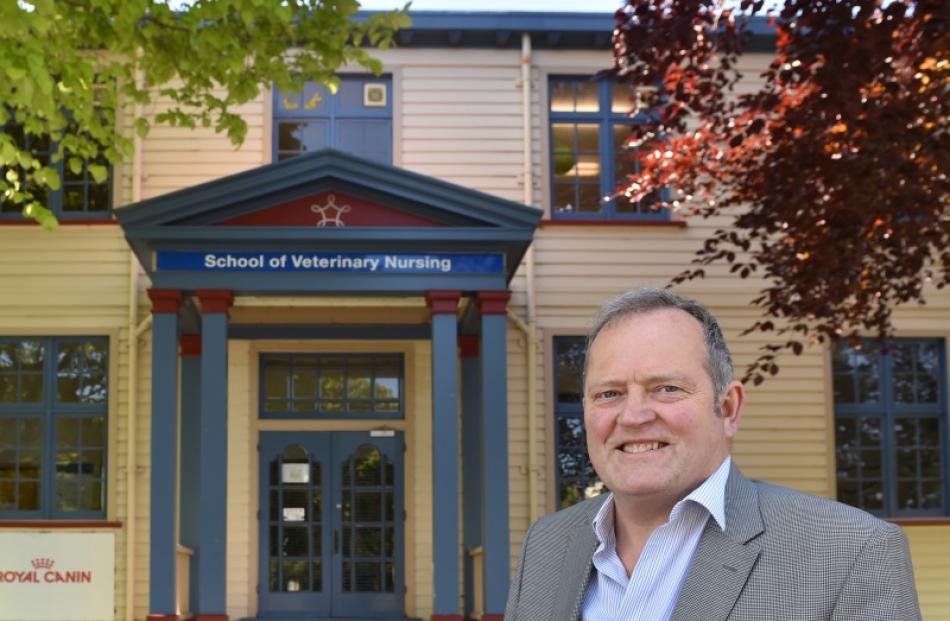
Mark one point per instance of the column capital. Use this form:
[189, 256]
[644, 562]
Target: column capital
[443, 302]
[215, 300]
[468, 346]
[165, 300]
[493, 302]
[189, 345]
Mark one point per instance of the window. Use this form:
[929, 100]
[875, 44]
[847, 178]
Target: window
[891, 427]
[589, 157]
[80, 196]
[575, 477]
[53, 405]
[332, 386]
[357, 119]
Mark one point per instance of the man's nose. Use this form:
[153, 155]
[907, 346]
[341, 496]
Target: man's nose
[637, 410]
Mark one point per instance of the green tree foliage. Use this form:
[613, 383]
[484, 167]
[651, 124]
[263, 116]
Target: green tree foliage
[70, 68]
[835, 169]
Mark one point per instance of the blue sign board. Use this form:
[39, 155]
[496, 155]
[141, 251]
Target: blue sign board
[310, 262]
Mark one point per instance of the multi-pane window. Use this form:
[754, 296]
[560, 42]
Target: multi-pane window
[891, 427]
[590, 154]
[79, 197]
[332, 386]
[575, 477]
[356, 119]
[53, 406]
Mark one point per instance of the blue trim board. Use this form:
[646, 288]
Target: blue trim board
[212, 521]
[163, 493]
[408, 332]
[445, 465]
[554, 30]
[495, 526]
[328, 284]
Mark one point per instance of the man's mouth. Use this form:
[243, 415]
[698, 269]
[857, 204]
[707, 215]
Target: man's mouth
[642, 447]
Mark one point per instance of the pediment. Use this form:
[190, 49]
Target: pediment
[330, 209]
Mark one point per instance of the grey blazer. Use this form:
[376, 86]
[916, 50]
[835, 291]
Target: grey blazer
[784, 555]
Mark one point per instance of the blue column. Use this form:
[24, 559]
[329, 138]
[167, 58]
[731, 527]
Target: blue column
[471, 462]
[445, 469]
[164, 453]
[495, 529]
[213, 442]
[190, 454]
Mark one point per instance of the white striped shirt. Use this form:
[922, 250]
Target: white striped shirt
[651, 591]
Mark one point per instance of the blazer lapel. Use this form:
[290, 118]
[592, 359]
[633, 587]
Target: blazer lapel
[723, 560]
[577, 567]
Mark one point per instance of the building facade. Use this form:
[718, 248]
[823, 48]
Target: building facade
[335, 373]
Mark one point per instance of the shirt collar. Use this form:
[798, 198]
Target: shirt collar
[711, 495]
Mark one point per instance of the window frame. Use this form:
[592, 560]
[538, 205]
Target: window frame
[887, 410]
[49, 410]
[344, 414]
[54, 200]
[331, 113]
[605, 119]
[563, 410]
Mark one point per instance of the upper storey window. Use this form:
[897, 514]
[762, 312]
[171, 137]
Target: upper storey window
[589, 153]
[357, 119]
[79, 196]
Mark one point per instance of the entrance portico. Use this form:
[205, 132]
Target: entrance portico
[328, 226]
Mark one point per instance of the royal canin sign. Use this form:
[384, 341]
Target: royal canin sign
[57, 576]
[43, 572]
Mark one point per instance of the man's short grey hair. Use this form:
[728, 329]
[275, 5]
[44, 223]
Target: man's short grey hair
[647, 299]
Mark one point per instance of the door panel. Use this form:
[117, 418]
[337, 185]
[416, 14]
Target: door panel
[295, 477]
[368, 571]
[331, 525]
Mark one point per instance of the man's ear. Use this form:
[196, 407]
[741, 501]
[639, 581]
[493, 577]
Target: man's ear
[730, 405]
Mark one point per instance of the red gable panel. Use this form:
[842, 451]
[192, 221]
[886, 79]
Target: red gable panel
[329, 209]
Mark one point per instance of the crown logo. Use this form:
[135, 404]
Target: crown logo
[42, 563]
[330, 214]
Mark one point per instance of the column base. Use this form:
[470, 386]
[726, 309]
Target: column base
[155, 616]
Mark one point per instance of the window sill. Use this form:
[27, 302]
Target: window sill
[62, 221]
[676, 224]
[60, 524]
[923, 521]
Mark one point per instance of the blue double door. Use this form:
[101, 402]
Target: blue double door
[331, 525]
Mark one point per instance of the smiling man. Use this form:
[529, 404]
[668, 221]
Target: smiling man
[683, 535]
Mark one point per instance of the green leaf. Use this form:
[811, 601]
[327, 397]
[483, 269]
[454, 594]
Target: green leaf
[98, 172]
[47, 176]
[142, 126]
[8, 152]
[75, 165]
[15, 73]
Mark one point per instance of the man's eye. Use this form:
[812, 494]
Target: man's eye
[669, 389]
[607, 394]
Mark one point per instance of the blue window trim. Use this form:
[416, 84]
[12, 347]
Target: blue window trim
[50, 410]
[887, 410]
[55, 197]
[605, 118]
[330, 112]
[397, 358]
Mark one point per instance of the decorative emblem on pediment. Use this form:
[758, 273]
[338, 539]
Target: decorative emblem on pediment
[330, 213]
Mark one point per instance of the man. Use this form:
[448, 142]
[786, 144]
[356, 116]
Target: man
[683, 535]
